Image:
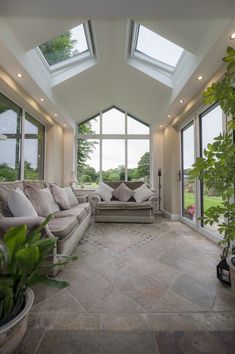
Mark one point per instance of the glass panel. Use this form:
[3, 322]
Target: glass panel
[113, 160]
[92, 126]
[88, 163]
[33, 149]
[138, 160]
[211, 126]
[113, 122]
[157, 47]
[65, 46]
[188, 185]
[136, 127]
[10, 127]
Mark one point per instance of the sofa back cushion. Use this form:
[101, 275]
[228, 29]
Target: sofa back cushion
[42, 200]
[5, 189]
[19, 204]
[130, 184]
[72, 198]
[104, 191]
[60, 196]
[123, 193]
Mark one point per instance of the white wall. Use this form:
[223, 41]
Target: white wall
[69, 156]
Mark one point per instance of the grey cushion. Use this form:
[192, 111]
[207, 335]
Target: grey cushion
[80, 213]
[42, 200]
[72, 198]
[123, 193]
[63, 227]
[60, 197]
[114, 204]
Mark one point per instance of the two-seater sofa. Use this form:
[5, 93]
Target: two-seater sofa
[119, 211]
[67, 225]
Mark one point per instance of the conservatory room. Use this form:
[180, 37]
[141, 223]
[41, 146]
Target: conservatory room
[117, 162]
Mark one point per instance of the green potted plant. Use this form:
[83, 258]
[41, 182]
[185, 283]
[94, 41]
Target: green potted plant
[217, 168]
[23, 263]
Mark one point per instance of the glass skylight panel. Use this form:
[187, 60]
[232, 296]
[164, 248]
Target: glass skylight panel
[157, 47]
[65, 46]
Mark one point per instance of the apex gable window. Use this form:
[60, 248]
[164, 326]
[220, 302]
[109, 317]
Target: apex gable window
[67, 48]
[154, 49]
[113, 146]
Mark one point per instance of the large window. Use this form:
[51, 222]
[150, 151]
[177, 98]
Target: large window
[113, 146]
[21, 150]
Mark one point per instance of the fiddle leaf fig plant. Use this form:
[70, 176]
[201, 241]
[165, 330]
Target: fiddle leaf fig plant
[23, 260]
[216, 169]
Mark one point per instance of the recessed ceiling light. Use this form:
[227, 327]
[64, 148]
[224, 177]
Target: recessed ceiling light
[20, 75]
[181, 101]
[42, 99]
[160, 126]
[65, 125]
[55, 114]
[169, 116]
[232, 36]
[200, 77]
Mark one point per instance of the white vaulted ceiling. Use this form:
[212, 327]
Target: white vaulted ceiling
[111, 78]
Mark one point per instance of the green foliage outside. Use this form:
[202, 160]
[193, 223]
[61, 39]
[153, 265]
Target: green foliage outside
[59, 48]
[189, 199]
[10, 174]
[23, 261]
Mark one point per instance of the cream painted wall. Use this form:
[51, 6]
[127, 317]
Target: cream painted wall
[171, 166]
[69, 156]
[157, 161]
[54, 154]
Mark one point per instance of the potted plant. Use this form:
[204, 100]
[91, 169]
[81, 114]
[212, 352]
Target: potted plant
[23, 261]
[217, 168]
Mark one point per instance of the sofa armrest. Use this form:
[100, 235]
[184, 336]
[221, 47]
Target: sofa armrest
[94, 199]
[153, 198]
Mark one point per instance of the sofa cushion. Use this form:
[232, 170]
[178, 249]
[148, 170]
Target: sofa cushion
[86, 206]
[123, 193]
[19, 204]
[60, 197]
[42, 200]
[104, 191]
[115, 204]
[72, 198]
[5, 189]
[142, 193]
[80, 213]
[135, 205]
[37, 184]
[63, 227]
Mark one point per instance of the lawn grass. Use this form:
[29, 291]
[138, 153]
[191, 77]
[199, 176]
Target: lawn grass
[208, 201]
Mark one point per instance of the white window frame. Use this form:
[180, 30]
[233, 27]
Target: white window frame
[195, 118]
[124, 137]
[77, 58]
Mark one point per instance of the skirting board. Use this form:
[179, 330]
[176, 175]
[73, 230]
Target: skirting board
[170, 216]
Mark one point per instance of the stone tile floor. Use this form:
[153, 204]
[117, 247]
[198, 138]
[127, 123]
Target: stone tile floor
[136, 289]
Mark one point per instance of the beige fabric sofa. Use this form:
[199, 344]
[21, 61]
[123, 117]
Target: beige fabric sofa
[67, 225]
[118, 211]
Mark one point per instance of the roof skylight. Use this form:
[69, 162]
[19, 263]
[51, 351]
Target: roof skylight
[157, 47]
[66, 46]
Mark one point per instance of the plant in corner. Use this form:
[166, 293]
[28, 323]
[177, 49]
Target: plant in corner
[23, 262]
[216, 169]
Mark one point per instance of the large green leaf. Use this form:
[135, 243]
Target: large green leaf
[43, 279]
[28, 258]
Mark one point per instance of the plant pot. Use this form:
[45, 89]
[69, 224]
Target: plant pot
[231, 263]
[12, 333]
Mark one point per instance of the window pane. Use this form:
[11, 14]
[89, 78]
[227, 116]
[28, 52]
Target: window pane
[92, 126]
[138, 160]
[113, 122]
[65, 46]
[188, 185]
[10, 126]
[33, 149]
[157, 47]
[88, 163]
[211, 126]
[136, 127]
[113, 160]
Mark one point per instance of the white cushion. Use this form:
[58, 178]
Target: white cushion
[19, 204]
[123, 193]
[72, 198]
[142, 193]
[104, 191]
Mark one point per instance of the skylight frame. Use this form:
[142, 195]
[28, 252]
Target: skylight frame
[79, 57]
[135, 53]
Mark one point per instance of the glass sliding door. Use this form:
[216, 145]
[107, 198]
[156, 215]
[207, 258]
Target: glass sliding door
[188, 184]
[211, 125]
